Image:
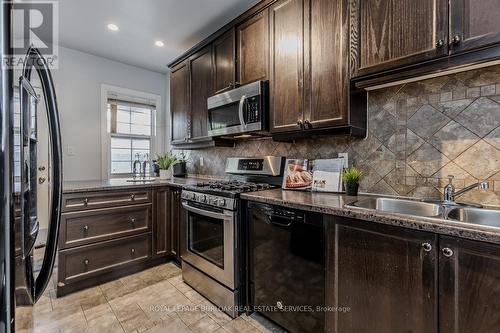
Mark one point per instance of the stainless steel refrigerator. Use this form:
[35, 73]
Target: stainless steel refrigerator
[19, 225]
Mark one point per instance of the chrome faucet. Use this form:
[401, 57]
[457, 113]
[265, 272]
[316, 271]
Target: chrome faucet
[450, 194]
[145, 163]
[136, 170]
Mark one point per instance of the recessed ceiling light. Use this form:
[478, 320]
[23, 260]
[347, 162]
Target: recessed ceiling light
[159, 43]
[113, 27]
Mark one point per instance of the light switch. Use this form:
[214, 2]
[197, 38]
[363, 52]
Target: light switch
[71, 151]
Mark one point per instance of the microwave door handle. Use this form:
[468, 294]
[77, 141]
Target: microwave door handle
[241, 109]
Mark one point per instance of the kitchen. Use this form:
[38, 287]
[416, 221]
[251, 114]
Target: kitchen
[252, 166]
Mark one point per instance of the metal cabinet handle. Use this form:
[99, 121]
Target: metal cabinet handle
[86, 202]
[86, 262]
[132, 197]
[86, 228]
[456, 39]
[440, 43]
[132, 221]
[132, 251]
[427, 247]
[447, 252]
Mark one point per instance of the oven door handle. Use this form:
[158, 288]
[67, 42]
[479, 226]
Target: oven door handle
[240, 111]
[205, 212]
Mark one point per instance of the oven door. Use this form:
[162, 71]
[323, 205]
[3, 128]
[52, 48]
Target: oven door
[207, 238]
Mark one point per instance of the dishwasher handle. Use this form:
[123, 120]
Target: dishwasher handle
[279, 221]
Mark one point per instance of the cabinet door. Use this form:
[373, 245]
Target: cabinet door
[326, 59]
[286, 75]
[161, 225]
[179, 102]
[175, 223]
[469, 286]
[201, 88]
[253, 48]
[224, 58]
[395, 33]
[474, 24]
[385, 275]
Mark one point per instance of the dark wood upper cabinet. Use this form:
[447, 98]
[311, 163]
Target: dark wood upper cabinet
[201, 88]
[224, 53]
[179, 102]
[395, 33]
[287, 69]
[252, 51]
[474, 24]
[386, 275]
[469, 286]
[326, 59]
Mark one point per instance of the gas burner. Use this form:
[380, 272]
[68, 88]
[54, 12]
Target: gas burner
[230, 187]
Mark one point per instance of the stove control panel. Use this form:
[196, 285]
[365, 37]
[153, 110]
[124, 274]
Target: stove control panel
[208, 199]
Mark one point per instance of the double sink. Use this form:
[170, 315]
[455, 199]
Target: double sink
[452, 212]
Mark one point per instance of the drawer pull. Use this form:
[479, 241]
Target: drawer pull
[132, 251]
[86, 262]
[132, 197]
[86, 228]
[427, 247]
[132, 221]
[447, 252]
[86, 202]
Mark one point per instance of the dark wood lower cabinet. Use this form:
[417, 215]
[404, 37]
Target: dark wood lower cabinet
[161, 225]
[99, 245]
[393, 279]
[469, 286]
[175, 222]
[386, 277]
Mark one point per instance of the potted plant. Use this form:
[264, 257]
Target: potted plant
[351, 177]
[165, 163]
[180, 166]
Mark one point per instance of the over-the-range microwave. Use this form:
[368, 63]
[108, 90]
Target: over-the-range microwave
[240, 111]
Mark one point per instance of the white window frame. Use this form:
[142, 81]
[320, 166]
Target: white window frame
[113, 92]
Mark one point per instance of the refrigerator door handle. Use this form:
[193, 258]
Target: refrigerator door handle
[35, 60]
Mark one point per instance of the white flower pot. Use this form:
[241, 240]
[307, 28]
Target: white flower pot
[165, 174]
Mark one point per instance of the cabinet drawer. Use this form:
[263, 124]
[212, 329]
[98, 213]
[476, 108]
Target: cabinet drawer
[91, 260]
[80, 228]
[92, 200]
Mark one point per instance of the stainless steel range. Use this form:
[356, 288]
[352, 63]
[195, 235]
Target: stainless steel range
[211, 238]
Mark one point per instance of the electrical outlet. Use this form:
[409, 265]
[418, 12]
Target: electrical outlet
[202, 161]
[71, 151]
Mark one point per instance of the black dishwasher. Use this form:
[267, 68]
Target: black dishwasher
[287, 266]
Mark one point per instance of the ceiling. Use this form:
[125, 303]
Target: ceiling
[180, 24]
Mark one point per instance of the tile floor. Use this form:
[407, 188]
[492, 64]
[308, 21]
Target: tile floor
[153, 301]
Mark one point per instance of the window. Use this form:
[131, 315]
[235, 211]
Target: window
[131, 128]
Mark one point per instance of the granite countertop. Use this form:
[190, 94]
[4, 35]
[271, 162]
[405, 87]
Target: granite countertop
[335, 204]
[121, 183]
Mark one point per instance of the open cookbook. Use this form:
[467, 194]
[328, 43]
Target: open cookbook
[321, 175]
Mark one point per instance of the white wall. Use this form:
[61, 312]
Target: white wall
[78, 85]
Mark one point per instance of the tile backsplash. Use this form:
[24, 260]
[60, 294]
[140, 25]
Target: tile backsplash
[419, 133]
